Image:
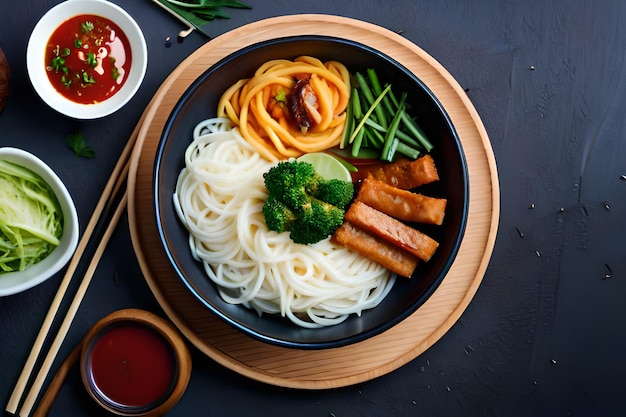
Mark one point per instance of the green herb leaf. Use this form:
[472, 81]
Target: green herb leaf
[91, 60]
[281, 97]
[76, 141]
[66, 82]
[58, 63]
[87, 27]
[87, 78]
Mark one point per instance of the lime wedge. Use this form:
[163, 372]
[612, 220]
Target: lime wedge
[327, 166]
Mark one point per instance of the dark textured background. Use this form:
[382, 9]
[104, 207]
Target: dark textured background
[545, 333]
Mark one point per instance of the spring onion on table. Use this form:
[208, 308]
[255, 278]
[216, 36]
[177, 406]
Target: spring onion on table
[31, 220]
[200, 12]
[378, 124]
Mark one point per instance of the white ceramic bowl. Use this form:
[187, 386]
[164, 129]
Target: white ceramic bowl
[14, 282]
[36, 65]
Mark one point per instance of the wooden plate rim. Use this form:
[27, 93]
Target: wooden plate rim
[395, 351]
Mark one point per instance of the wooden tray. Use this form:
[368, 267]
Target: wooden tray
[347, 365]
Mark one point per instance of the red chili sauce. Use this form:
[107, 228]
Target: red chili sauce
[88, 58]
[132, 365]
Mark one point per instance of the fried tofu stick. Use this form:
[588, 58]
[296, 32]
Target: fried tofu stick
[402, 204]
[376, 249]
[405, 174]
[393, 231]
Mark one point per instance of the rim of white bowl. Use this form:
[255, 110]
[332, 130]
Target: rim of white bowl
[36, 65]
[15, 282]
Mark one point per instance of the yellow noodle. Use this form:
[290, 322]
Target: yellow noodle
[248, 104]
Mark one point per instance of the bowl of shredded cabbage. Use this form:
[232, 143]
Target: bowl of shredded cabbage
[38, 222]
[262, 224]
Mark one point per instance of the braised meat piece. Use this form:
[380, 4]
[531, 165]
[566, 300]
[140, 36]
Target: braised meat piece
[376, 249]
[403, 173]
[392, 230]
[302, 104]
[402, 204]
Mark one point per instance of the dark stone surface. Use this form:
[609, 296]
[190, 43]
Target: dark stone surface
[544, 335]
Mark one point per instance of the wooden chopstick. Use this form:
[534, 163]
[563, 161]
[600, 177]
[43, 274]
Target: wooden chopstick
[55, 385]
[119, 173]
[31, 398]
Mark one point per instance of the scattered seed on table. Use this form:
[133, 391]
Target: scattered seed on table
[521, 234]
[606, 205]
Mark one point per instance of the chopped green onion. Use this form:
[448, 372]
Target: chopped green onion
[91, 60]
[369, 112]
[407, 150]
[390, 136]
[349, 126]
[367, 93]
[386, 126]
[417, 131]
[356, 143]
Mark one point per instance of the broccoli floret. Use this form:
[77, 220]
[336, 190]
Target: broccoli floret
[287, 181]
[302, 202]
[316, 221]
[334, 191]
[278, 216]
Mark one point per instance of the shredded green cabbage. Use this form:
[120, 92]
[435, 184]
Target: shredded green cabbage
[31, 220]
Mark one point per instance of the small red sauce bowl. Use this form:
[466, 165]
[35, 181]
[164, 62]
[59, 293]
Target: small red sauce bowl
[134, 363]
[39, 66]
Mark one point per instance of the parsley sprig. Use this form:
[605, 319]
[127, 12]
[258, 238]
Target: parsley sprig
[76, 141]
[58, 64]
[87, 26]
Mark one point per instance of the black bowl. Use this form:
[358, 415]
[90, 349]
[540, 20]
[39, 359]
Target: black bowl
[200, 102]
